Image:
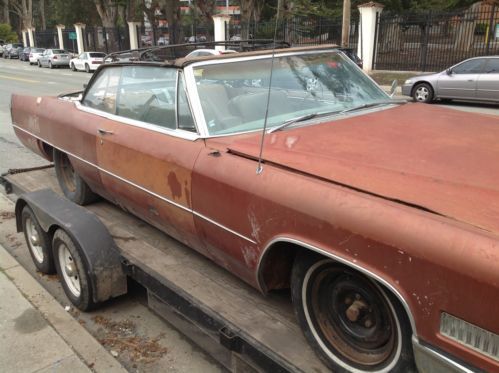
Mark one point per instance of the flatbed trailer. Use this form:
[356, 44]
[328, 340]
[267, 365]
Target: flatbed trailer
[238, 326]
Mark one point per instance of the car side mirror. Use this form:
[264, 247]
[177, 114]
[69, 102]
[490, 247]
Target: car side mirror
[85, 85]
[449, 71]
[393, 88]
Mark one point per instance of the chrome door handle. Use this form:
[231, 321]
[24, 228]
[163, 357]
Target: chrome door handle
[105, 132]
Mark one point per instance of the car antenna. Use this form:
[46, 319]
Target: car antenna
[259, 168]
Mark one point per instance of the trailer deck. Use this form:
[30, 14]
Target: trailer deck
[234, 323]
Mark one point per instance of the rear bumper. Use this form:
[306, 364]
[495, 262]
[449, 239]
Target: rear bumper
[60, 63]
[429, 360]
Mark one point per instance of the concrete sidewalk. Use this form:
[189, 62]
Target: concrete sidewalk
[37, 334]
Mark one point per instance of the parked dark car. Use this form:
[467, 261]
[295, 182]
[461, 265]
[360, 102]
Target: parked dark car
[11, 50]
[24, 55]
[350, 52]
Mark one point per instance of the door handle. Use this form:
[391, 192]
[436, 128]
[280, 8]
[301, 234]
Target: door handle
[105, 132]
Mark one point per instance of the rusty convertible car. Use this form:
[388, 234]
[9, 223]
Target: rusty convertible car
[295, 170]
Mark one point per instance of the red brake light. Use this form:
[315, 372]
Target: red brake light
[55, 57]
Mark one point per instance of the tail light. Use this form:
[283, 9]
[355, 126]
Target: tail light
[31, 54]
[55, 57]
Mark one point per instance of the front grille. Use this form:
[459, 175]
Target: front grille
[470, 335]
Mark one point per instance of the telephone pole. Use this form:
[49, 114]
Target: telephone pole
[345, 31]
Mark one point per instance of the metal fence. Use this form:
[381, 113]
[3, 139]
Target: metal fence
[107, 40]
[435, 41]
[46, 39]
[299, 31]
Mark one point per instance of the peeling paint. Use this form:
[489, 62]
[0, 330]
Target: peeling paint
[255, 227]
[250, 256]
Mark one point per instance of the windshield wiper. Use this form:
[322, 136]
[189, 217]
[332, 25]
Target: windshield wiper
[339, 112]
[372, 104]
[292, 121]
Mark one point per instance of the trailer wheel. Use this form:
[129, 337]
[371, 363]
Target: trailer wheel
[350, 321]
[73, 186]
[72, 271]
[38, 242]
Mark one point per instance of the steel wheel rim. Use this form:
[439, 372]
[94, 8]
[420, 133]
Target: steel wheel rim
[422, 94]
[34, 240]
[384, 362]
[69, 270]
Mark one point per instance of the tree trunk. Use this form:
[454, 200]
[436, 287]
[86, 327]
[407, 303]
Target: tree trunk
[5, 11]
[108, 12]
[172, 12]
[42, 15]
[246, 12]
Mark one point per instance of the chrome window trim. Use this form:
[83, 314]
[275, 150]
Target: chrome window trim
[186, 135]
[340, 260]
[167, 200]
[193, 97]
[181, 75]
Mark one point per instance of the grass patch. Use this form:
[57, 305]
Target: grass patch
[386, 78]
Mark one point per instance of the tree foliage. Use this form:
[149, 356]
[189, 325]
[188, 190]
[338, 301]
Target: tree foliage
[7, 34]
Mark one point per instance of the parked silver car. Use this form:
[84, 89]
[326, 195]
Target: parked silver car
[54, 57]
[476, 79]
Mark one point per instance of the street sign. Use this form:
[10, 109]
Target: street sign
[72, 36]
[497, 31]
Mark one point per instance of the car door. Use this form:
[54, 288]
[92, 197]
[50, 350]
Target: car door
[145, 158]
[488, 81]
[460, 81]
[78, 61]
[43, 58]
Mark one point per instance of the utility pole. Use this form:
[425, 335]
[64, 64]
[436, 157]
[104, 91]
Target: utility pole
[345, 31]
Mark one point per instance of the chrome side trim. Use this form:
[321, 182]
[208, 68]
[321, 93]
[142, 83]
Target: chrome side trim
[182, 207]
[186, 135]
[342, 261]
[428, 360]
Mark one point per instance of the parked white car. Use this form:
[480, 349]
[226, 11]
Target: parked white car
[34, 55]
[87, 61]
[209, 52]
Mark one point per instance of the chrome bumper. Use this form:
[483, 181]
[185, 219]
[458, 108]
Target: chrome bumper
[430, 361]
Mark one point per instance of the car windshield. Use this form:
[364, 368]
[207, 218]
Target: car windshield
[234, 94]
[97, 55]
[59, 51]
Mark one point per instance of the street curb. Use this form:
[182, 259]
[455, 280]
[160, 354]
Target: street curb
[90, 351]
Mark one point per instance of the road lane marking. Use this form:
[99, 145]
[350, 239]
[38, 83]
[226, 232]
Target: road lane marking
[19, 79]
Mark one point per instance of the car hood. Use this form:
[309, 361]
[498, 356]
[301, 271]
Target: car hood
[434, 158]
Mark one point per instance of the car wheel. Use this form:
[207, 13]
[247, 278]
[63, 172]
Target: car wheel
[73, 271]
[350, 321]
[73, 67]
[422, 92]
[39, 63]
[38, 242]
[87, 68]
[73, 186]
[50, 65]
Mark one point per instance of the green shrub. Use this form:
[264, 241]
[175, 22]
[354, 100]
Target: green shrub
[7, 34]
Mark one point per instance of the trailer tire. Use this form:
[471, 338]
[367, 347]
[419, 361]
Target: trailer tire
[73, 271]
[73, 186]
[38, 242]
[352, 323]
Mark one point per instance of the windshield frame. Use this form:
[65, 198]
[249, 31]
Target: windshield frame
[197, 109]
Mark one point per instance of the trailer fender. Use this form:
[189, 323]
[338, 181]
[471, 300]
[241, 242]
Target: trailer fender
[88, 233]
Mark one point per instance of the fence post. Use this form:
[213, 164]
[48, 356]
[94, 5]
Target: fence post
[31, 36]
[369, 14]
[132, 30]
[59, 35]
[79, 37]
[219, 29]
[25, 40]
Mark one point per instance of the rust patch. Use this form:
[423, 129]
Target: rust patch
[175, 185]
[121, 336]
[187, 194]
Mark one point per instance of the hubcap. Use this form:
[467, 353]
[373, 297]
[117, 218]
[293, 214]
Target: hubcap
[34, 240]
[69, 270]
[422, 94]
[351, 317]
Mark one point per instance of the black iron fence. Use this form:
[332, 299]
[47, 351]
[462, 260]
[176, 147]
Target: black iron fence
[46, 39]
[435, 41]
[107, 40]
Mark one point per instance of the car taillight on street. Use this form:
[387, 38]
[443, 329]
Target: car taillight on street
[55, 57]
